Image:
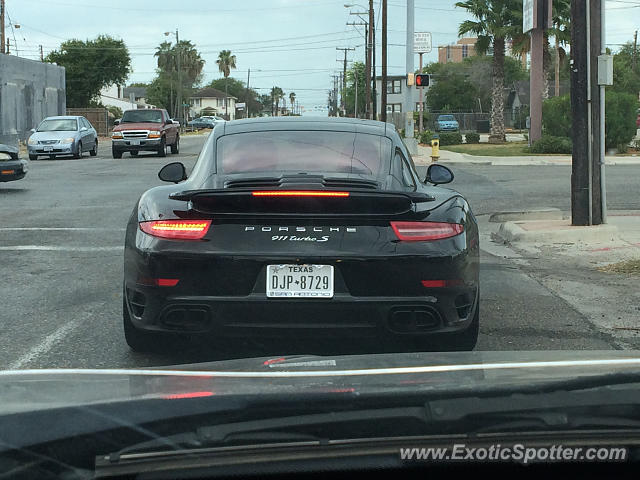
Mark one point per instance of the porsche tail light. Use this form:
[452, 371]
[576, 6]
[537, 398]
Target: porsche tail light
[299, 193]
[177, 229]
[456, 282]
[424, 231]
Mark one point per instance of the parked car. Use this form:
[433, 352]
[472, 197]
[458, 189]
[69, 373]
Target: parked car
[64, 135]
[198, 123]
[150, 130]
[214, 118]
[447, 123]
[11, 167]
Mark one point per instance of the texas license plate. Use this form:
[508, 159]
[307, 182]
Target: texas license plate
[48, 149]
[300, 281]
[134, 142]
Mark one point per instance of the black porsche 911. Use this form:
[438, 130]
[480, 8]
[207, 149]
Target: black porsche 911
[297, 227]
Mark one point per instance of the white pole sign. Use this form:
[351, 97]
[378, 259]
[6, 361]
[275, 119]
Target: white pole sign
[422, 42]
[528, 15]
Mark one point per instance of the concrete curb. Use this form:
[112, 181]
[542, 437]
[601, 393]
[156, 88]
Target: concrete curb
[540, 214]
[512, 232]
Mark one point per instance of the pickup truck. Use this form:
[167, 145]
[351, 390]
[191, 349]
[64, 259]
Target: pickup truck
[145, 130]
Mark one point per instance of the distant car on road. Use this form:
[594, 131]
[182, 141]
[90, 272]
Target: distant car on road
[216, 120]
[447, 123]
[201, 123]
[11, 167]
[140, 130]
[64, 135]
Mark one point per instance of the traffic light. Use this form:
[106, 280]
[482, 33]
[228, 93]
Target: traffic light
[422, 80]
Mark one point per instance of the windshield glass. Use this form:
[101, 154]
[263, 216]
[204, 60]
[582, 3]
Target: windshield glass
[142, 116]
[295, 151]
[446, 118]
[58, 125]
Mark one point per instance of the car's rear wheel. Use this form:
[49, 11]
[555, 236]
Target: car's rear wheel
[78, 153]
[116, 153]
[175, 148]
[52, 157]
[33, 157]
[94, 151]
[162, 149]
[134, 153]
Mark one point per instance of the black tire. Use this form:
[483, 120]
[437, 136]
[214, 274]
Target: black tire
[94, 151]
[52, 157]
[78, 154]
[116, 153]
[162, 149]
[33, 157]
[134, 153]
[175, 148]
[138, 340]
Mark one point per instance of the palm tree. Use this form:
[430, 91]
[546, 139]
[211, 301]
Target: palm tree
[226, 62]
[292, 100]
[276, 95]
[495, 22]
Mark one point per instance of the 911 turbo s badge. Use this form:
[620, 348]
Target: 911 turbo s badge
[300, 238]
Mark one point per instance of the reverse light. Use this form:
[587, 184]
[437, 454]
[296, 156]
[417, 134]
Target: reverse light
[298, 193]
[177, 229]
[154, 134]
[424, 231]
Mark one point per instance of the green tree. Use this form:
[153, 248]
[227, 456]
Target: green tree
[90, 66]
[356, 74]
[226, 62]
[495, 22]
[292, 100]
[625, 79]
[162, 91]
[276, 95]
[452, 92]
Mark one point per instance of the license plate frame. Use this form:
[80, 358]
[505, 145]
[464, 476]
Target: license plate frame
[287, 274]
[48, 149]
[134, 143]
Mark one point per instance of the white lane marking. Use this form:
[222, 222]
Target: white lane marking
[57, 248]
[46, 345]
[628, 362]
[59, 229]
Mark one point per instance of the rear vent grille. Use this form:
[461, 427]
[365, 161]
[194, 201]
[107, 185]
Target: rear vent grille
[306, 180]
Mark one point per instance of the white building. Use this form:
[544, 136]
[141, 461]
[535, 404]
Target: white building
[213, 100]
[119, 96]
[396, 88]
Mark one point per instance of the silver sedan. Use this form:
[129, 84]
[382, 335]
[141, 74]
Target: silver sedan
[68, 135]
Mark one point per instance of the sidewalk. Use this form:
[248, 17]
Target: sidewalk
[424, 158]
[596, 269]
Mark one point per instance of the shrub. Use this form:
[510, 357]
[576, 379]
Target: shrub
[426, 137]
[550, 144]
[401, 132]
[472, 137]
[556, 116]
[453, 138]
[620, 119]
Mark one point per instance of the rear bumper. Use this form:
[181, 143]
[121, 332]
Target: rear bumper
[439, 311]
[151, 144]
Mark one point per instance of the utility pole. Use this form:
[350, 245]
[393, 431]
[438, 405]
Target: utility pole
[344, 78]
[588, 193]
[409, 105]
[181, 110]
[635, 50]
[41, 54]
[246, 96]
[2, 31]
[372, 63]
[420, 126]
[355, 106]
[383, 101]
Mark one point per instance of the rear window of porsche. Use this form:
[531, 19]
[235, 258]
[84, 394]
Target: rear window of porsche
[304, 151]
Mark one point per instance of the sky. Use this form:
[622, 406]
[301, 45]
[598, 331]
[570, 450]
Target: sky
[288, 43]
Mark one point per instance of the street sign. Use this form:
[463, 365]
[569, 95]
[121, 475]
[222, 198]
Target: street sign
[241, 106]
[422, 42]
[528, 15]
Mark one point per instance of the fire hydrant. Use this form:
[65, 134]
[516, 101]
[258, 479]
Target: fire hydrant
[435, 149]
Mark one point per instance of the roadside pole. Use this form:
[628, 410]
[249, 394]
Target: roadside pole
[409, 138]
[383, 93]
[2, 31]
[246, 96]
[421, 101]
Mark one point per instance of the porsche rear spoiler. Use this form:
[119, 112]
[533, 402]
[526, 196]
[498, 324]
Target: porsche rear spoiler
[324, 202]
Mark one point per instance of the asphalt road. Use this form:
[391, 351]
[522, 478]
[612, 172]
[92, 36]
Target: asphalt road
[61, 236]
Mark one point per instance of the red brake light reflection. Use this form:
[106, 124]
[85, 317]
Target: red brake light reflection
[177, 396]
[177, 229]
[298, 193]
[423, 231]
